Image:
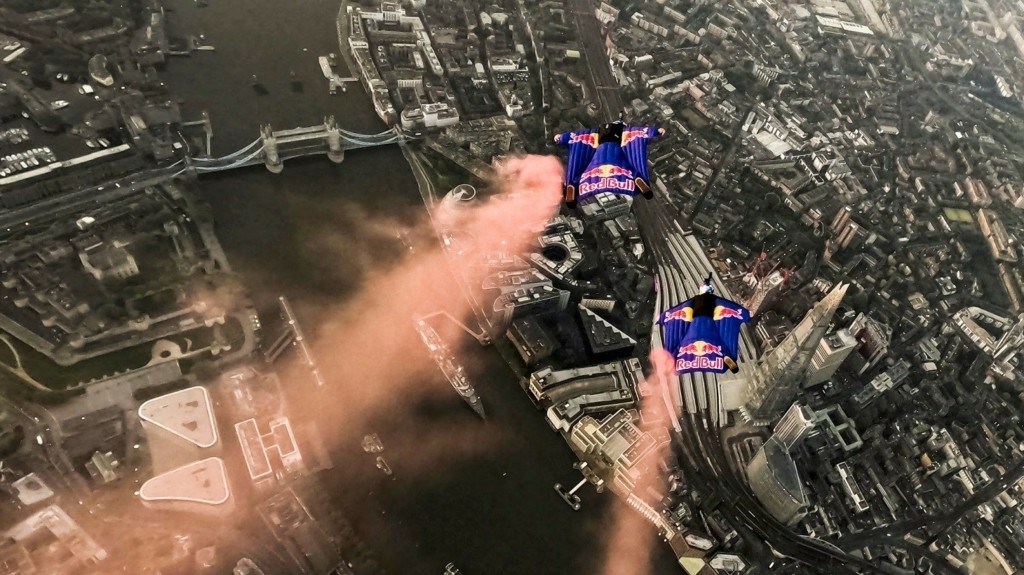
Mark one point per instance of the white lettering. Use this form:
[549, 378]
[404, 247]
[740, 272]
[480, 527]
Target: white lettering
[607, 184]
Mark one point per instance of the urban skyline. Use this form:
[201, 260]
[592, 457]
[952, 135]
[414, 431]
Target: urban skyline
[208, 367]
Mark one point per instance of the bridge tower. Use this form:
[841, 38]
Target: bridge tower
[270, 156]
[334, 150]
[208, 130]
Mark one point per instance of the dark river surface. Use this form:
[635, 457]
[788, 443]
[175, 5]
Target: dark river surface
[490, 513]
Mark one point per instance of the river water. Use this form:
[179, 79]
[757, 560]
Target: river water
[490, 513]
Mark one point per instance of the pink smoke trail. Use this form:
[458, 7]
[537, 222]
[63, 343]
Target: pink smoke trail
[368, 350]
[631, 537]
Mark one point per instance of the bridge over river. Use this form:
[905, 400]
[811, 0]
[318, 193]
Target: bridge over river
[272, 148]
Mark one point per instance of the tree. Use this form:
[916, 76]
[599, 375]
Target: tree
[11, 439]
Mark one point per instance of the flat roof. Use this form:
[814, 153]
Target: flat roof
[187, 413]
[253, 450]
[204, 481]
[32, 490]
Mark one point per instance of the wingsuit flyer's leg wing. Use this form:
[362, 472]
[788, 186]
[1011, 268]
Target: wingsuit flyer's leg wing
[582, 145]
[634, 144]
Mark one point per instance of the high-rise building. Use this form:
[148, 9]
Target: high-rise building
[766, 289]
[773, 474]
[795, 424]
[882, 382]
[775, 381]
[872, 342]
[845, 233]
[775, 481]
[615, 443]
[530, 301]
[831, 352]
[1011, 343]
[841, 219]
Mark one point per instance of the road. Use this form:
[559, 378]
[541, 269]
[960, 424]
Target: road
[54, 207]
[588, 29]
[939, 521]
[723, 160]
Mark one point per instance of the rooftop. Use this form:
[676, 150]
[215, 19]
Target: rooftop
[186, 413]
[204, 481]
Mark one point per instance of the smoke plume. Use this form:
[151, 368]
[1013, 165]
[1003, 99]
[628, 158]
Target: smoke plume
[367, 348]
[631, 537]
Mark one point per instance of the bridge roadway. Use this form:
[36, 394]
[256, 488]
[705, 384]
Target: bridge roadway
[294, 143]
[299, 142]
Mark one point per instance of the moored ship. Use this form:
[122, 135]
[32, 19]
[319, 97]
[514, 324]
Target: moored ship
[452, 370]
[325, 67]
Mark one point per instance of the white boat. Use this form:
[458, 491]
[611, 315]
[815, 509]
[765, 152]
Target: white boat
[325, 67]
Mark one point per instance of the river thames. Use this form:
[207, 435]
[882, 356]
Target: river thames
[491, 512]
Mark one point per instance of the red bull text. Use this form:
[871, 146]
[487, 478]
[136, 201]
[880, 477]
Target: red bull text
[607, 184]
[607, 177]
[703, 363]
[705, 356]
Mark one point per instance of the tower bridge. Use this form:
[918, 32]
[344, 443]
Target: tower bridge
[272, 148]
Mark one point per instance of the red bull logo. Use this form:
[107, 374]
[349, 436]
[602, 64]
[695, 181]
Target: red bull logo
[630, 135]
[590, 139]
[705, 356]
[684, 314]
[722, 312]
[606, 171]
[700, 349]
